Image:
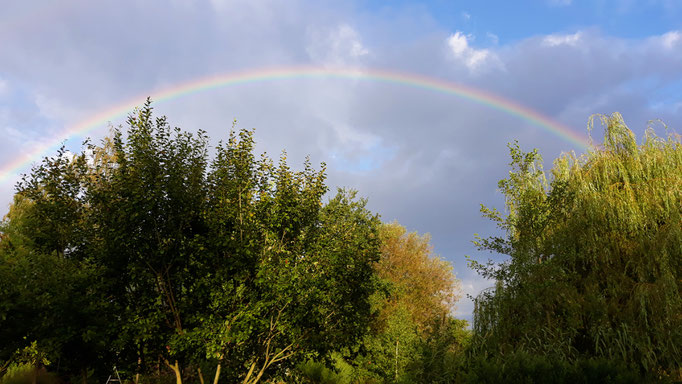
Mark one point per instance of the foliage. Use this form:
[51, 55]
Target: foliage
[316, 372]
[595, 265]
[49, 298]
[442, 352]
[392, 349]
[522, 367]
[151, 254]
[422, 282]
[28, 374]
[27, 365]
[414, 338]
[155, 253]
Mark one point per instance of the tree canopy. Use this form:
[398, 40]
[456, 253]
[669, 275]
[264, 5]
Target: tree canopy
[595, 255]
[415, 336]
[150, 252]
[420, 279]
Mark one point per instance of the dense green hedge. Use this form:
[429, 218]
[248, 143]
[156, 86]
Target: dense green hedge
[522, 367]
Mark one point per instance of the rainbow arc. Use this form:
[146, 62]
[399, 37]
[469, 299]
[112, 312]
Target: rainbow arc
[203, 84]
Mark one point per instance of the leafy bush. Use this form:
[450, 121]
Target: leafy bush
[27, 374]
[521, 367]
[314, 372]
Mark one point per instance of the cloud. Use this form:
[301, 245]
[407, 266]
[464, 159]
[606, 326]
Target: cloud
[473, 58]
[4, 87]
[560, 3]
[671, 40]
[556, 40]
[53, 109]
[494, 39]
[338, 46]
[471, 287]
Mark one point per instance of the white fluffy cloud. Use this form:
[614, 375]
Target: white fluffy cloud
[671, 40]
[474, 59]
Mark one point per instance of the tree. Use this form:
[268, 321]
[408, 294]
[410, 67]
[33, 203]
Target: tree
[232, 260]
[422, 281]
[414, 312]
[51, 298]
[595, 265]
[294, 275]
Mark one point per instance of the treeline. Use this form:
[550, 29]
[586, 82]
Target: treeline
[153, 254]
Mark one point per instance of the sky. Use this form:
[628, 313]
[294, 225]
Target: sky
[426, 156]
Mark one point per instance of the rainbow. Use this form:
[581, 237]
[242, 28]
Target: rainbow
[261, 75]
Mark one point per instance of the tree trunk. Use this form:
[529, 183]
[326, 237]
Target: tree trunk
[260, 374]
[201, 376]
[176, 369]
[84, 376]
[139, 368]
[248, 375]
[396, 360]
[217, 373]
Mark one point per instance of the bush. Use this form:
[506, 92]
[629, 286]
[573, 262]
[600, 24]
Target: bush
[521, 367]
[27, 374]
[317, 373]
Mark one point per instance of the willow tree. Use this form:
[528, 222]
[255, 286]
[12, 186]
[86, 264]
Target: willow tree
[595, 265]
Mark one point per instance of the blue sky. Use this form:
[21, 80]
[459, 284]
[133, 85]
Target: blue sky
[512, 21]
[424, 159]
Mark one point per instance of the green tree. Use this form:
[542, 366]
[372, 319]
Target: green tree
[229, 260]
[292, 275]
[146, 195]
[595, 265]
[49, 297]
